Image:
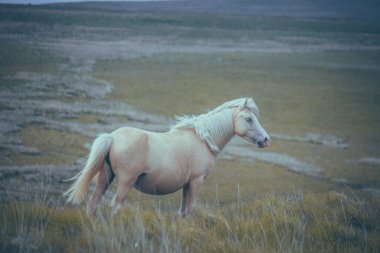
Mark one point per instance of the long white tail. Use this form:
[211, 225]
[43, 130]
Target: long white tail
[99, 150]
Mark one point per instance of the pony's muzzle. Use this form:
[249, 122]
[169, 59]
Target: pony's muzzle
[263, 143]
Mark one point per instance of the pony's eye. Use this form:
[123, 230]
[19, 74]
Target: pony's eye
[249, 120]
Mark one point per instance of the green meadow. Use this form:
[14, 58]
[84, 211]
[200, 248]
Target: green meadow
[71, 71]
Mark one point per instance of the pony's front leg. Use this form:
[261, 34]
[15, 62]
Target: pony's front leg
[189, 195]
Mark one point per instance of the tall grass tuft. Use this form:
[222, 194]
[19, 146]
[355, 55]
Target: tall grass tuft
[269, 222]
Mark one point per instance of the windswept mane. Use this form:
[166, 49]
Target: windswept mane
[217, 123]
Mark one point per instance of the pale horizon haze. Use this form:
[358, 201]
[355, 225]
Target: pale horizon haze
[71, 1]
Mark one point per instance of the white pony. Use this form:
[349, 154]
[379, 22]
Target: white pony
[163, 163]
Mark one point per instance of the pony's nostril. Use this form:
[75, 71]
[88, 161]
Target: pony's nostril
[266, 139]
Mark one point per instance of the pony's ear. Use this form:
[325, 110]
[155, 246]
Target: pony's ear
[245, 104]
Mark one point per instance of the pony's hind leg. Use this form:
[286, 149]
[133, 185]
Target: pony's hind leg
[124, 185]
[129, 162]
[105, 178]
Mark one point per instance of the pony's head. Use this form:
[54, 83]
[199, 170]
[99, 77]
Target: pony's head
[247, 125]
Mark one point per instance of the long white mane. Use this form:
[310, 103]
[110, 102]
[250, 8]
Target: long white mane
[216, 124]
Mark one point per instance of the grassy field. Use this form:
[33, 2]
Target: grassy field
[68, 72]
[292, 222]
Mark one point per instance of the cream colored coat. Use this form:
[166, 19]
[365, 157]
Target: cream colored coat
[163, 163]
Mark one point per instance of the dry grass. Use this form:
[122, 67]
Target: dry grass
[291, 222]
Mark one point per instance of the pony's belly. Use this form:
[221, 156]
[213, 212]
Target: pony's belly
[151, 185]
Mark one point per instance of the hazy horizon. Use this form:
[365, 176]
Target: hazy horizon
[72, 1]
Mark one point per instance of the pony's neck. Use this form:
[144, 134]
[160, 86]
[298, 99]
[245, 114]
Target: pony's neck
[217, 130]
